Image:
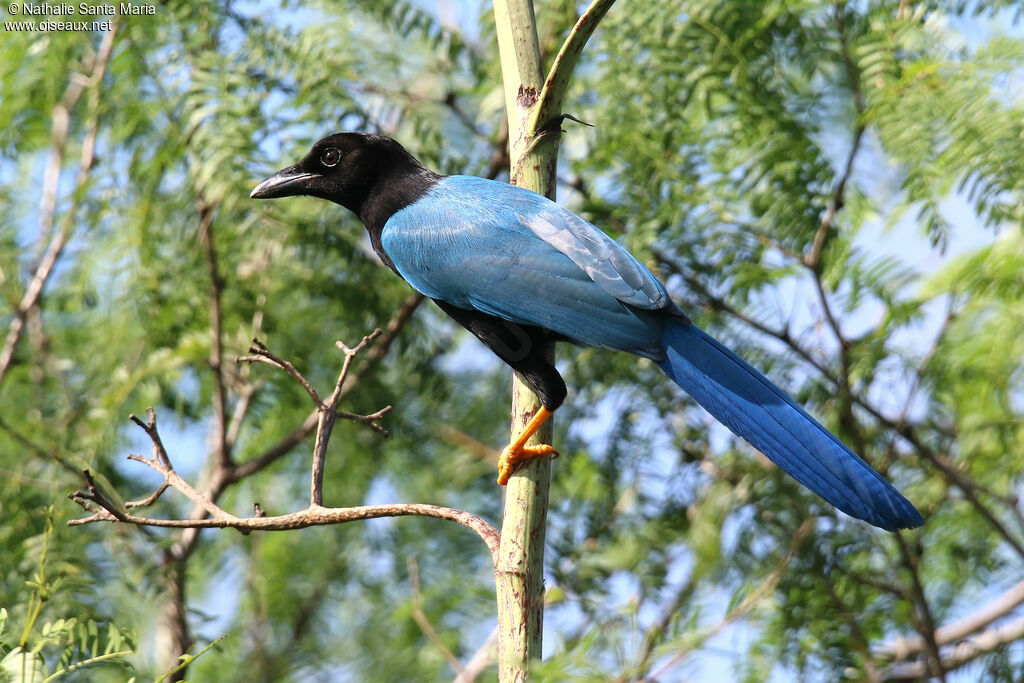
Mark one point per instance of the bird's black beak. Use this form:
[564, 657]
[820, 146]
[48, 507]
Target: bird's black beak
[287, 182]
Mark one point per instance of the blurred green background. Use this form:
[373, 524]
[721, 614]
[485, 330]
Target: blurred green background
[834, 189]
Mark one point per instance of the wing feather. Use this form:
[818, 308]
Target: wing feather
[499, 249]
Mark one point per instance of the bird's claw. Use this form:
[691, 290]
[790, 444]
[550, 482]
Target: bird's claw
[510, 456]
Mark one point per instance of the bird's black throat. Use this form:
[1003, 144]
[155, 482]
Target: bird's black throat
[392, 179]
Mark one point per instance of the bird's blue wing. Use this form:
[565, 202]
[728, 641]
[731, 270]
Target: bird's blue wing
[508, 252]
[604, 260]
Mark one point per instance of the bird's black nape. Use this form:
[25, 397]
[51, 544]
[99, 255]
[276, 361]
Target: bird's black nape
[371, 175]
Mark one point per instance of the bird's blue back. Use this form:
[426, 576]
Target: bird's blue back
[496, 248]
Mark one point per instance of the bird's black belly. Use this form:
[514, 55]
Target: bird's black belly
[520, 346]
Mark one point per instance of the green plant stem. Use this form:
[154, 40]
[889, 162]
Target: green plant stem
[533, 105]
[99, 659]
[41, 590]
[552, 96]
[519, 570]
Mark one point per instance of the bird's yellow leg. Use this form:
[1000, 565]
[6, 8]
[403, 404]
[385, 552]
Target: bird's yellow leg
[517, 451]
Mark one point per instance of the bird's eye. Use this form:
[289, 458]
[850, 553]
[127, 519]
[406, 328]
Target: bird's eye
[330, 157]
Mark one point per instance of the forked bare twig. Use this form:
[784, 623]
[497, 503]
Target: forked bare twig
[102, 508]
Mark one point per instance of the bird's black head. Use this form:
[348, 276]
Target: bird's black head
[371, 175]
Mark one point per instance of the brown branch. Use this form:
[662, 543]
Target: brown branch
[299, 434]
[219, 479]
[159, 452]
[328, 414]
[61, 116]
[246, 393]
[259, 353]
[921, 613]
[107, 510]
[421, 619]
[216, 359]
[150, 499]
[903, 648]
[246, 389]
[813, 259]
[103, 509]
[963, 652]
[368, 420]
[484, 656]
[311, 516]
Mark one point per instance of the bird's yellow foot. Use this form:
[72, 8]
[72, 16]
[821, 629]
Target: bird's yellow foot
[510, 456]
[518, 451]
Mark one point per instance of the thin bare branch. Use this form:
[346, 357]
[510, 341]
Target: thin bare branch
[350, 354]
[261, 354]
[421, 619]
[903, 648]
[61, 122]
[216, 360]
[368, 420]
[312, 516]
[101, 508]
[172, 478]
[159, 452]
[246, 393]
[921, 614]
[552, 95]
[299, 434]
[963, 652]
[328, 414]
[483, 658]
[148, 500]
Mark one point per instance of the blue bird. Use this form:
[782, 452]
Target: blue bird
[517, 269]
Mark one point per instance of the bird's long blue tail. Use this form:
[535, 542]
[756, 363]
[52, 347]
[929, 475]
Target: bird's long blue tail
[752, 407]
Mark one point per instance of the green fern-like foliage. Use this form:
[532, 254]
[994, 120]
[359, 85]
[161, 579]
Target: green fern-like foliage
[833, 189]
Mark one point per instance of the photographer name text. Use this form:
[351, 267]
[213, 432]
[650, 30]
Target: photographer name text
[64, 9]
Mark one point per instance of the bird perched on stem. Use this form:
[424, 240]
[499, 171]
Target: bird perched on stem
[517, 269]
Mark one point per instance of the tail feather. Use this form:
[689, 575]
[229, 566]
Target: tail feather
[752, 407]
